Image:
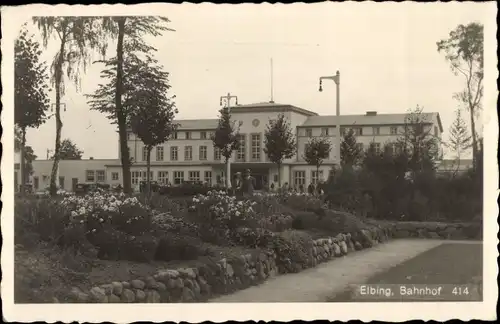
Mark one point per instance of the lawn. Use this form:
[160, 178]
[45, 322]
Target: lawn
[451, 263]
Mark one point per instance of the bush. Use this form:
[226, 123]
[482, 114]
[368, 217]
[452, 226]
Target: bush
[293, 251]
[174, 247]
[253, 237]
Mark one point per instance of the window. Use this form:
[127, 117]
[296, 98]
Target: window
[61, 182]
[275, 178]
[376, 130]
[436, 133]
[325, 131]
[100, 175]
[256, 147]
[159, 153]
[173, 153]
[144, 175]
[376, 146]
[203, 152]
[358, 131]
[114, 176]
[163, 177]
[217, 154]
[175, 136]
[360, 146]
[188, 135]
[299, 178]
[90, 176]
[194, 175]
[241, 150]
[178, 177]
[203, 135]
[309, 132]
[134, 177]
[144, 154]
[394, 130]
[188, 153]
[36, 182]
[208, 177]
[314, 176]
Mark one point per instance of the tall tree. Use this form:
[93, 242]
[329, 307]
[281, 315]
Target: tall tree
[31, 100]
[460, 139]
[78, 38]
[316, 151]
[464, 51]
[111, 98]
[350, 152]
[29, 154]
[226, 138]
[152, 116]
[69, 151]
[279, 142]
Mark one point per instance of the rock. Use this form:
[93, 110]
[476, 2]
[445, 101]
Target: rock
[161, 286]
[83, 297]
[179, 283]
[117, 288]
[330, 241]
[204, 286]
[187, 295]
[171, 284]
[114, 299]
[97, 294]
[433, 235]
[254, 271]
[55, 300]
[343, 247]
[151, 283]
[188, 273]
[326, 248]
[127, 296]
[173, 273]
[137, 284]
[140, 295]
[108, 289]
[336, 250]
[188, 283]
[197, 289]
[262, 275]
[126, 285]
[315, 250]
[358, 246]
[152, 296]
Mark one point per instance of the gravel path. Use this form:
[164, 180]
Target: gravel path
[317, 284]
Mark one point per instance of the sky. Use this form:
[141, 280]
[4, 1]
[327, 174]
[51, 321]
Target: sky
[386, 54]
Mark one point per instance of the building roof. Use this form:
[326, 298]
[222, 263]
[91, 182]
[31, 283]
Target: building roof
[272, 106]
[196, 124]
[378, 119]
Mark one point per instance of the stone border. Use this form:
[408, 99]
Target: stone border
[228, 275]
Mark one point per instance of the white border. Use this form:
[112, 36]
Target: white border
[12, 19]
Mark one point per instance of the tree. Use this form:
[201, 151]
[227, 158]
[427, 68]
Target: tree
[460, 140]
[464, 51]
[78, 38]
[111, 98]
[29, 154]
[279, 142]
[30, 87]
[69, 151]
[226, 138]
[350, 152]
[153, 111]
[317, 150]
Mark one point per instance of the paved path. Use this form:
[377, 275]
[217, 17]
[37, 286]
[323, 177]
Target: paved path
[317, 284]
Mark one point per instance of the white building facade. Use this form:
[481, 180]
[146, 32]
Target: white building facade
[190, 155]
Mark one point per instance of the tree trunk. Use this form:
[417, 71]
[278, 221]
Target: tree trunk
[279, 175]
[474, 139]
[148, 178]
[59, 125]
[23, 161]
[120, 114]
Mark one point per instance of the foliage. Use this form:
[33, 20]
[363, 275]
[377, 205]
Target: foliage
[293, 251]
[226, 134]
[29, 154]
[317, 150]
[350, 152]
[78, 38]
[460, 140]
[464, 50]
[279, 141]
[69, 151]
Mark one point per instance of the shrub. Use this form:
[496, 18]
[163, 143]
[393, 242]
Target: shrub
[293, 251]
[175, 247]
[253, 237]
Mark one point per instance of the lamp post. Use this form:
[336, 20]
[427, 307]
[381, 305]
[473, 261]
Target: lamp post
[227, 100]
[335, 78]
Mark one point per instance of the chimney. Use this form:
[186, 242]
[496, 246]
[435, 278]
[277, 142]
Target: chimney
[371, 113]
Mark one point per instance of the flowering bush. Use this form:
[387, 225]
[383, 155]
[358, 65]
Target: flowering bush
[293, 251]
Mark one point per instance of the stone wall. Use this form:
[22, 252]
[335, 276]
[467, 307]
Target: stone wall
[228, 275]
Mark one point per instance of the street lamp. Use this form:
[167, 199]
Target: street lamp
[335, 78]
[227, 100]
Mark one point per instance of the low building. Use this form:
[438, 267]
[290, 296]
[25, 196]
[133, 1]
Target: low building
[190, 155]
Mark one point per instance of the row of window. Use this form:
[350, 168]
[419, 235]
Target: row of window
[188, 151]
[177, 176]
[358, 131]
[299, 177]
[186, 135]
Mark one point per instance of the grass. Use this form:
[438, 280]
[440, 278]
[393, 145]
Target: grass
[449, 263]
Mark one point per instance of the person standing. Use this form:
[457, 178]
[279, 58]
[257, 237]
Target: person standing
[248, 183]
